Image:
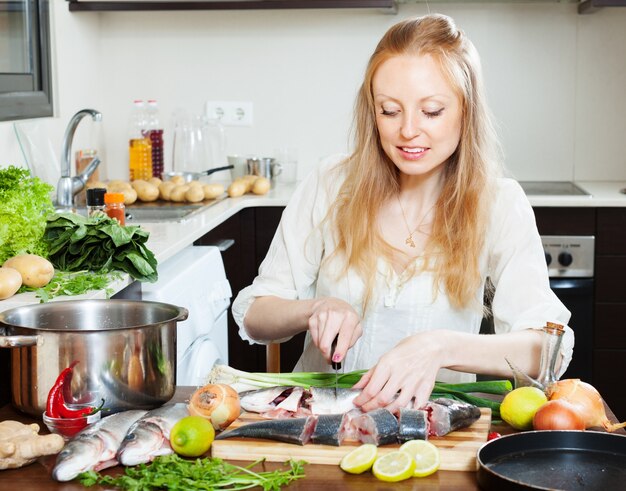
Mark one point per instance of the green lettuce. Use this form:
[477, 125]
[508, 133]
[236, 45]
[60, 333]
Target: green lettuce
[25, 204]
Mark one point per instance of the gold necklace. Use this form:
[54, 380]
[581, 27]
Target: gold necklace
[409, 240]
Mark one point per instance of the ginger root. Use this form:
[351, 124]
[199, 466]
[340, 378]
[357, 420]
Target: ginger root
[21, 444]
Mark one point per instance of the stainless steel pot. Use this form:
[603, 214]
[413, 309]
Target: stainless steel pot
[189, 176]
[125, 349]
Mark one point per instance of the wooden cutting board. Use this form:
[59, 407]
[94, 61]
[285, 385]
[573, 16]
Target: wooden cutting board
[457, 449]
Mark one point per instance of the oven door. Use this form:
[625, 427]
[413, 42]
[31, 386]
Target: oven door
[577, 296]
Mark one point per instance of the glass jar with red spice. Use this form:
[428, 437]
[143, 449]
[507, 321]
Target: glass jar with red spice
[115, 206]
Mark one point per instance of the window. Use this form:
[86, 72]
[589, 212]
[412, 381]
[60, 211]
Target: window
[25, 78]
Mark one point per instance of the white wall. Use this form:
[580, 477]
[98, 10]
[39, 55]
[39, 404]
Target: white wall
[555, 79]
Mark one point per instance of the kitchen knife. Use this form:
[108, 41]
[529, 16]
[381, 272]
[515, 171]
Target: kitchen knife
[335, 365]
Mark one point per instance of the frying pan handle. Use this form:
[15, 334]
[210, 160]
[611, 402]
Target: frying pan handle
[19, 341]
[216, 169]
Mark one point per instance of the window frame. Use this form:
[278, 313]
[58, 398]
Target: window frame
[30, 94]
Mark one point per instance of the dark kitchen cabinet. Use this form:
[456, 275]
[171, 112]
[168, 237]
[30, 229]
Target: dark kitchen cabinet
[610, 308]
[608, 225]
[246, 238]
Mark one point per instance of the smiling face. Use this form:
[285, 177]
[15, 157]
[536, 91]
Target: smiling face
[418, 114]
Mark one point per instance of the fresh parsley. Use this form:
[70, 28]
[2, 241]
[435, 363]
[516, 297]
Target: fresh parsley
[172, 472]
[74, 283]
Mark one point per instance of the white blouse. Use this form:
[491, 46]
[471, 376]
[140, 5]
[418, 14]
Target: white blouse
[404, 305]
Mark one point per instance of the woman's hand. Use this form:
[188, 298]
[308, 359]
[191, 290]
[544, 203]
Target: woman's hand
[331, 317]
[405, 372]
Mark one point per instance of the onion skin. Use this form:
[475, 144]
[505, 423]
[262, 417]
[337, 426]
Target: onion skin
[218, 403]
[587, 401]
[558, 415]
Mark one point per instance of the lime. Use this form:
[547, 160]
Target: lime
[426, 457]
[520, 405]
[360, 459]
[192, 436]
[394, 466]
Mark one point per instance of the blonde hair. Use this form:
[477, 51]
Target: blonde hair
[461, 216]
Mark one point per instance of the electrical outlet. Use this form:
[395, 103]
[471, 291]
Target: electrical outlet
[230, 113]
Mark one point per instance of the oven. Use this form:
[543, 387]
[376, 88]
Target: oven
[570, 261]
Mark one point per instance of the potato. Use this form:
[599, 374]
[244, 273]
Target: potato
[178, 180]
[194, 194]
[178, 193]
[237, 188]
[95, 184]
[213, 190]
[249, 180]
[165, 188]
[117, 186]
[194, 183]
[155, 181]
[130, 195]
[35, 271]
[261, 185]
[145, 190]
[10, 282]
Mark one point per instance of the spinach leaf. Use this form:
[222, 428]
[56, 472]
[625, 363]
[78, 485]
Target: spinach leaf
[99, 244]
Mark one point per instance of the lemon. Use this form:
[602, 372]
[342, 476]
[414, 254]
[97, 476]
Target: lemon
[394, 466]
[360, 459]
[192, 436]
[426, 457]
[520, 405]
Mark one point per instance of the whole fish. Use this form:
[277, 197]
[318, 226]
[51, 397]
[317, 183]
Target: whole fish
[149, 436]
[290, 430]
[95, 447]
[263, 400]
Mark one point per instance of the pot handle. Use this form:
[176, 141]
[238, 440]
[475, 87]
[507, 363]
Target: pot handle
[19, 341]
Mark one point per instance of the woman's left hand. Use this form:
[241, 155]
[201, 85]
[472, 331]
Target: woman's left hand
[405, 372]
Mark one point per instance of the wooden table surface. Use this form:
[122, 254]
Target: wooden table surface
[37, 476]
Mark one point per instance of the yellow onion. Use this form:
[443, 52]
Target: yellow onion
[218, 403]
[558, 415]
[587, 401]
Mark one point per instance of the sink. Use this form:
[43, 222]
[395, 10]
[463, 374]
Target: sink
[552, 188]
[164, 212]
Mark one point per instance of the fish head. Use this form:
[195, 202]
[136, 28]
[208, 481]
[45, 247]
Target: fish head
[141, 444]
[77, 456]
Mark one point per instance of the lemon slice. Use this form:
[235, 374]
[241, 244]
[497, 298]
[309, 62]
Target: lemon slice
[394, 466]
[360, 459]
[426, 457]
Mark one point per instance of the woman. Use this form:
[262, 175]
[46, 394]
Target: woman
[390, 249]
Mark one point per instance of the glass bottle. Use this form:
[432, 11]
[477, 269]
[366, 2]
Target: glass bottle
[155, 134]
[552, 337]
[115, 206]
[139, 146]
[95, 201]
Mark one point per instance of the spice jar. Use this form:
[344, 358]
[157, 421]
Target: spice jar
[115, 206]
[95, 201]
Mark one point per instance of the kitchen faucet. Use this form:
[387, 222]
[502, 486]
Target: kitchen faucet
[68, 186]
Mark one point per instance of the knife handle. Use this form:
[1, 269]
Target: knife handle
[336, 365]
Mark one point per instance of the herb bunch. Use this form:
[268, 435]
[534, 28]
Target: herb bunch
[172, 472]
[74, 283]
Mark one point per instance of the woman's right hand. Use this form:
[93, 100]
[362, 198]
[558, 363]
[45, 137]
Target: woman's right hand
[332, 317]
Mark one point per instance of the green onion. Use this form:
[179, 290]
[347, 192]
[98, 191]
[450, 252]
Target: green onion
[466, 392]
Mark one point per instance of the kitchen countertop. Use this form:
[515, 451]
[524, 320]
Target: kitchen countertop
[169, 238]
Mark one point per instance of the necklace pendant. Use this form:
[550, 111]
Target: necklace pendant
[409, 241]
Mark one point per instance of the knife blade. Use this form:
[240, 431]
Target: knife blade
[335, 365]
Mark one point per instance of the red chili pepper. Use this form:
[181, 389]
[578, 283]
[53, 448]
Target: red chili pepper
[493, 435]
[67, 412]
[55, 396]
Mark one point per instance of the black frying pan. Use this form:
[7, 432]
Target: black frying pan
[558, 460]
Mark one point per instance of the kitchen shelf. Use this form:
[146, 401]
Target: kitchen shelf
[113, 5]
